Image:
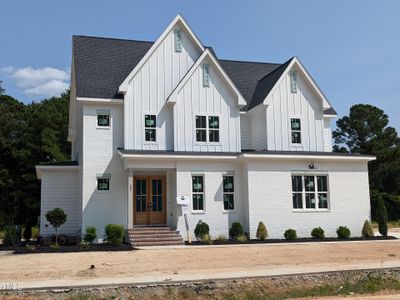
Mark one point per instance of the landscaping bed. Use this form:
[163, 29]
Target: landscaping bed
[298, 240]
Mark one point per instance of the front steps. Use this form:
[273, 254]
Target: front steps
[160, 235]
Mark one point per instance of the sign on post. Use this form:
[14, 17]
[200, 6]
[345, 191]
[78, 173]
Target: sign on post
[184, 201]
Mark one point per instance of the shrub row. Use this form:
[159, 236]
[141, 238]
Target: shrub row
[114, 234]
[202, 232]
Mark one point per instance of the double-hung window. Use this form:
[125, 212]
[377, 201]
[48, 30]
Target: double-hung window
[295, 128]
[150, 128]
[229, 192]
[306, 189]
[212, 127]
[198, 192]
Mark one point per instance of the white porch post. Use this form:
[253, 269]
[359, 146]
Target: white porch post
[130, 198]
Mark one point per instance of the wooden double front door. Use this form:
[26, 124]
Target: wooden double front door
[149, 200]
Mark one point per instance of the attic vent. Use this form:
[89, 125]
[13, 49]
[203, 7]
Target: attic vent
[206, 75]
[293, 82]
[178, 40]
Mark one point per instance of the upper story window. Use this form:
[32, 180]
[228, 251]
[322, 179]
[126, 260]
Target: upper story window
[178, 40]
[295, 127]
[212, 128]
[150, 128]
[307, 189]
[206, 75]
[293, 81]
[198, 192]
[229, 192]
[103, 120]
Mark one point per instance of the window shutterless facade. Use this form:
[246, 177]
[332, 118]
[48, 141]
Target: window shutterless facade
[310, 192]
[293, 82]
[295, 130]
[103, 184]
[208, 125]
[150, 128]
[178, 40]
[198, 192]
[103, 120]
[229, 192]
[206, 75]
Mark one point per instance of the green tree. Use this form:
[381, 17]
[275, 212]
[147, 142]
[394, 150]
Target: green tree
[56, 217]
[382, 217]
[2, 90]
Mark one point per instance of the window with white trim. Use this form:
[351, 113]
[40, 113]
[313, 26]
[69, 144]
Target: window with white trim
[150, 128]
[178, 40]
[310, 192]
[293, 82]
[198, 192]
[229, 192]
[103, 120]
[212, 128]
[206, 75]
[295, 130]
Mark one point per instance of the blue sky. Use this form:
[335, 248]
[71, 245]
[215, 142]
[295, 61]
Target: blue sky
[351, 48]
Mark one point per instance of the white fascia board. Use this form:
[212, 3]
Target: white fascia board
[315, 157]
[123, 88]
[100, 100]
[297, 62]
[206, 54]
[329, 116]
[40, 169]
[175, 156]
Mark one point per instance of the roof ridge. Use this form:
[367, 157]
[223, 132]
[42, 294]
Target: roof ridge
[250, 62]
[110, 38]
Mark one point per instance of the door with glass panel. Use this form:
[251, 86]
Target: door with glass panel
[149, 200]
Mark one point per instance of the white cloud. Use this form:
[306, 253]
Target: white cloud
[45, 82]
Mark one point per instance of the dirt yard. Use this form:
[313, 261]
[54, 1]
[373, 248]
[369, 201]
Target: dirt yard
[195, 260]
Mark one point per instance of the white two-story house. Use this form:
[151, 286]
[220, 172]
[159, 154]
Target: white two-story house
[243, 141]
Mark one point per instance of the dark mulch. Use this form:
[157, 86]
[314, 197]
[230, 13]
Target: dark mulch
[299, 240]
[37, 248]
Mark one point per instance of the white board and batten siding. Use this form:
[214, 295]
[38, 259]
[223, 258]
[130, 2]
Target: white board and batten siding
[215, 100]
[282, 105]
[149, 89]
[59, 188]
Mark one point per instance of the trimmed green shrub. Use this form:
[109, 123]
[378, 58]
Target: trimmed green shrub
[115, 234]
[236, 230]
[381, 216]
[367, 231]
[201, 230]
[27, 233]
[90, 235]
[56, 217]
[290, 234]
[318, 233]
[262, 232]
[206, 239]
[343, 232]
[10, 236]
[242, 238]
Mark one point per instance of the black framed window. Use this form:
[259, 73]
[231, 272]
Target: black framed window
[297, 191]
[310, 192]
[213, 131]
[103, 120]
[229, 192]
[150, 128]
[201, 129]
[198, 192]
[103, 184]
[295, 127]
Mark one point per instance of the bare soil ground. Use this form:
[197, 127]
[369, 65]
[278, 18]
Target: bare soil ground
[193, 260]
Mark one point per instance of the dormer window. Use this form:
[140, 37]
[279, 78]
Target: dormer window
[206, 75]
[293, 82]
[295, 127]
[178, 40]
[150, 128]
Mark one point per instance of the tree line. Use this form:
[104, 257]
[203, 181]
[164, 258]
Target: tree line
[37, 132]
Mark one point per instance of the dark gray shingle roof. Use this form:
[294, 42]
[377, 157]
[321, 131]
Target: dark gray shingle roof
[102, 64]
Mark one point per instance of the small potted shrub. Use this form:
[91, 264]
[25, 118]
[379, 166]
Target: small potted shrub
[367, 231]
[236, 230]
[343, 232]
[290, 234]
[201, 230]
[115, 234]
[318, 233]
[262, 232]
[90, 235]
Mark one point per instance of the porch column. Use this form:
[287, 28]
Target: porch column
[130, 198]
